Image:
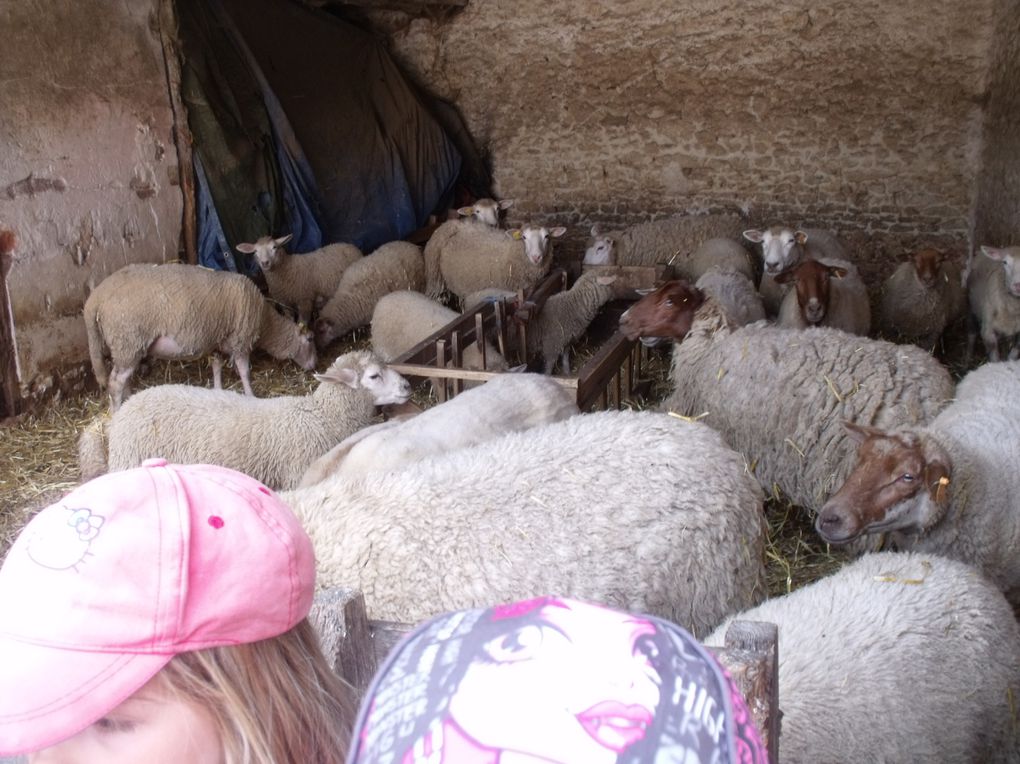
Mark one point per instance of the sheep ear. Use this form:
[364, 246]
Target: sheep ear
[557, 232]
[465, 211]
[605, 280]
[801, 237]
[345, 376]
[515, 234]
[836, 272]
[993, 252]
[753, 234]
[245, 247]
[645, 290]
[283, 240]
[506, 204]
[861, 432]
[596, 229]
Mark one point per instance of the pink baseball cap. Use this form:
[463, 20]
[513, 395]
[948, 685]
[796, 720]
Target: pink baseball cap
[104, 587]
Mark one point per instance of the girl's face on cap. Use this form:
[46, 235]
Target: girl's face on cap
[152, 726]
[570, 686]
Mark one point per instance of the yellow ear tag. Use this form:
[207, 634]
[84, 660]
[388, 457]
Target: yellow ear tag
[516, 235]
[941, 489]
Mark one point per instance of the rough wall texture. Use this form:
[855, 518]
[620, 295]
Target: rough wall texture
[88, 171]
[861, 115]
[997, 214]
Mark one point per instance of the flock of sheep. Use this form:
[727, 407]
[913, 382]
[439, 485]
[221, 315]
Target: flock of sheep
[507, 491]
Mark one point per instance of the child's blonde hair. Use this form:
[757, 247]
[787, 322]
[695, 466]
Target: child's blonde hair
[272, 701]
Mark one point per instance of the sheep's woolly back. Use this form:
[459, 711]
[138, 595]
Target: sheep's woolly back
[272, 439]
[674, 528]
[201, 309]
[403, 319]
[474, 257]
[506, 403]
[659, 241]
[278, 335]
[734, 293]
[92, 449]
[393, 266]
[565, 317]
[895, 658]
[299, 279]
[980, 430]
[719, 254]
[779, 396]
[911, 311]
[849, 308]
[989, 297]
[434, 284]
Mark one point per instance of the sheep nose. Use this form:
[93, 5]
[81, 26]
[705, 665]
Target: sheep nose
[828, 524]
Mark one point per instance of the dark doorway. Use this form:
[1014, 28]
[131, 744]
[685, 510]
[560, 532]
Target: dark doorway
[8, 363]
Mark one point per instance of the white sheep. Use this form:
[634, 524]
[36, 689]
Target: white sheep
[779, 396]
[993, 291]
[637, 510]
[272, 439]
[303, 281]
[950, 487]
[735, 293]
[392, 267]
[403, 319]
[657, 241]
[921, 298]
[486, 211]
[720, 254]
[464, 257]
[506, 403]
[565, 316]
[826, 292]
[895, 658]
[782, 248]
[182, 311]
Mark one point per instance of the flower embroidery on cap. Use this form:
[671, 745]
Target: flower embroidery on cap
[59, 537]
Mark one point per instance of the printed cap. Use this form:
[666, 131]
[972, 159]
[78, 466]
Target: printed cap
[558, 680]
[104, 587]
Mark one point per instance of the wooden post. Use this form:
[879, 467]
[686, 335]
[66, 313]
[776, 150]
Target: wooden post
[10, 397]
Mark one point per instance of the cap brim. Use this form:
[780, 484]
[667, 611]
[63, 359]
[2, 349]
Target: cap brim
[51, 694]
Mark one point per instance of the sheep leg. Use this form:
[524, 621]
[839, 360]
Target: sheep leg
[991, 341]
[118, 385]
[1014, 351]
[244, 372]
[217, 371]
[304, 312]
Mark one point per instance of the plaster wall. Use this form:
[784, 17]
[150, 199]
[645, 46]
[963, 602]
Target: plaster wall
[89, 171]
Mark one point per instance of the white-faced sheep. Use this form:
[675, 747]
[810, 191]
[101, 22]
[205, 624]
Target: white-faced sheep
[921, 298]
[779, 396]
[486, 211]
[825, 292]
[658, 241]
[895, 658]
[506, 403]
[272, 439]
[403, 319]
[181, 311]
[464, 257]
[674, 528]
[948, 488]
[394, 266]
[304, 281]
[782, 248]
[993, 291]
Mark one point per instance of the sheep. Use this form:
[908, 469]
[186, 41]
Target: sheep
[392, 267]
[637, 510]
[719, 253]
[782, 248]
[826, 292]
[735, 293]
[463, 257]
[565, 316]
[657, 241]
[301, 281]
[272, 439]
[486, 211]
[506, 403]
[403, 319]
[994, 297]
[778, 396]
[921, 298]
[181, 311]
[950, 487]
[896, 658]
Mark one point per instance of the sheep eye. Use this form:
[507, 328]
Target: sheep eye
[906, 477]
[377, 375]
[669, 302]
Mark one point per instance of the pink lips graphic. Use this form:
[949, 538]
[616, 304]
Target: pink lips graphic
[615, 725]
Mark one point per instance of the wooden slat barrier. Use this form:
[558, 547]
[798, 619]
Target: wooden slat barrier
[357, 646]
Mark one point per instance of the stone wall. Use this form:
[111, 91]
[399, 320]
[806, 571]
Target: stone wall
[861, 115]
[997, 209]
[88, 171]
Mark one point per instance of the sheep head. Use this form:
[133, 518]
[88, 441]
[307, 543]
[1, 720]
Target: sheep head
[781, 248]
[668, 311]
[267, 250]
[812, 284]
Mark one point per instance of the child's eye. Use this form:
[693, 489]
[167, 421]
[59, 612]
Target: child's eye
[113, 724]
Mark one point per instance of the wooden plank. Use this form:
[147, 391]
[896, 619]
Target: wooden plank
[341, 621]
[597, 373]
[751, 655]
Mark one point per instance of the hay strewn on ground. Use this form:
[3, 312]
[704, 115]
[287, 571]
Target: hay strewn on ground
[39, 464]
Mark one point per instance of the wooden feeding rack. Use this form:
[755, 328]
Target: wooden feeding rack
[611, 377]
[356, 646]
